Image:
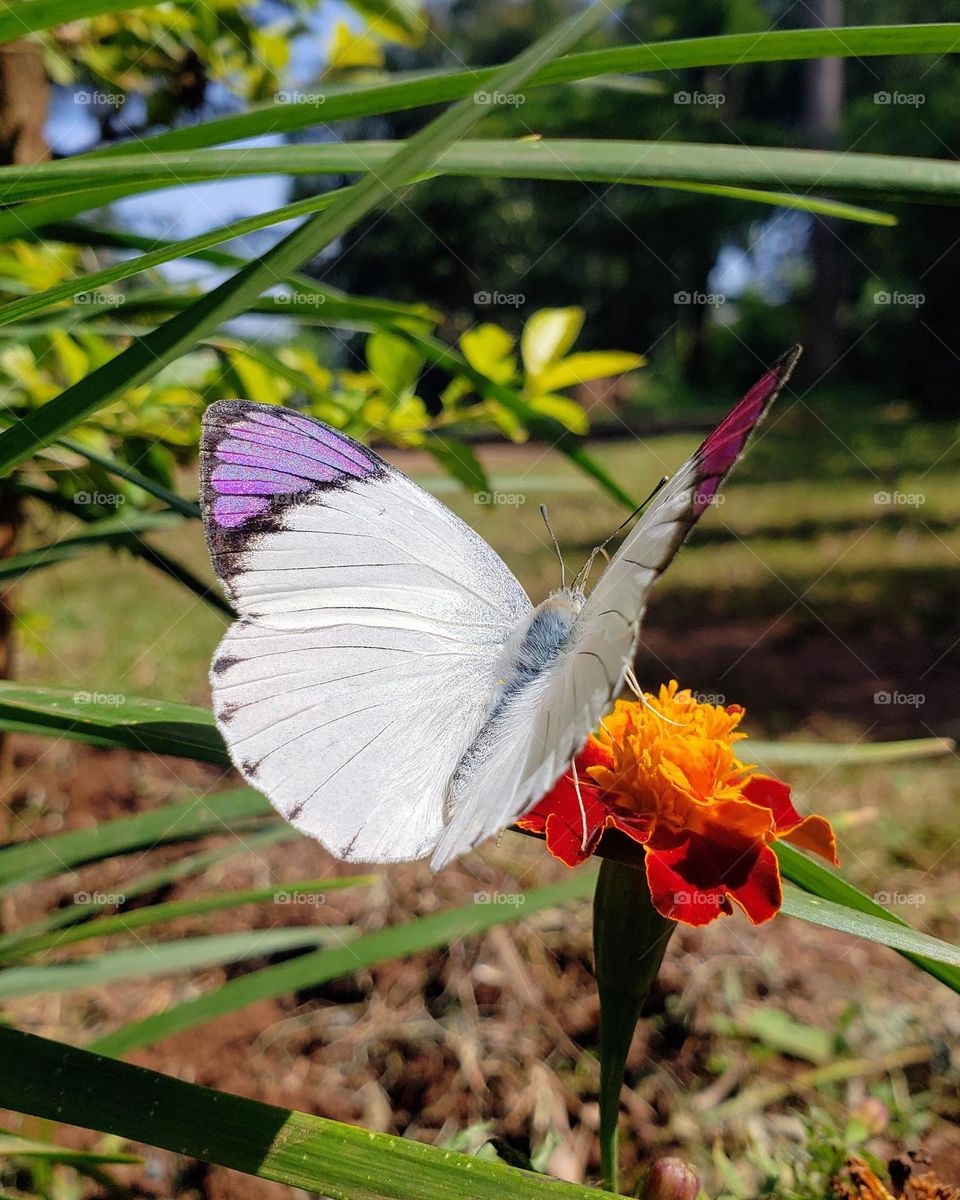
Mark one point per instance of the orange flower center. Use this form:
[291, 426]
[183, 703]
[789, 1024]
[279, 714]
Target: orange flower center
[672, 757]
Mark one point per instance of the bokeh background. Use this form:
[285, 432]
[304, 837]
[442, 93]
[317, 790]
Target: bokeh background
[822, 594]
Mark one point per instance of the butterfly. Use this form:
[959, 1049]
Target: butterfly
[388, 684]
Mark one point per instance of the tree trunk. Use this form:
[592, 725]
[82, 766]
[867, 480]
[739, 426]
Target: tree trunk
[24, 94]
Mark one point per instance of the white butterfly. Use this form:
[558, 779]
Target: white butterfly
[389, 685]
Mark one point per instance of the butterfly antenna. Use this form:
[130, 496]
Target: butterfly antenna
[634, 684]
[556, 544]
[584, 571]
[583, 811]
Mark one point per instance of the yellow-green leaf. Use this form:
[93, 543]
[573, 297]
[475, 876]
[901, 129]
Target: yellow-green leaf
[588, 364]
[568, 412]
[548, 335]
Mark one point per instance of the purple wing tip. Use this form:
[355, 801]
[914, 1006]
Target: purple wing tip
[256, 455]
[724, 446]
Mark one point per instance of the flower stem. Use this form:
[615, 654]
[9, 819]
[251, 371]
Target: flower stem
[629, 941]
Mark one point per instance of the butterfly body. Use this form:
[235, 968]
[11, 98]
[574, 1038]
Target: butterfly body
[389, 685]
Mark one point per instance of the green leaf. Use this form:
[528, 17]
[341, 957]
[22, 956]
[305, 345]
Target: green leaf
[113, 719]
[547, 336]
[586, 365]
[158, 914]
[592, 160]
[147, 355]
[20, 17]
[39, 858]
[459, 460]
[569, 413]
[161, 958]
[310, 970]
[347, 102]
[109, 531]
[902, 937]
[823, 883]
[800, 754]
[181, 868]
[629, 941]
[60, 1083]
[14, 1146]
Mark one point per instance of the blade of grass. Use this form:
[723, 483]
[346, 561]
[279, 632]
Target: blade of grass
[108, 719]
[161, 958]
[310, 970]
[159, 914]
[798, 754]
[13, 1146]
[345, 102]
[857, 923]
[39, 858]
[820, 881]
[141, 885]
[147, 355]
[559, 159]
[110, 531]
[61, 1083]
[20, 17]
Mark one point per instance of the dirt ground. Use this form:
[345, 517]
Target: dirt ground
[495, 1035]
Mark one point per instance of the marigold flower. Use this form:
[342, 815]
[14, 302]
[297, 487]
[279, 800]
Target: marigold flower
[664, 772]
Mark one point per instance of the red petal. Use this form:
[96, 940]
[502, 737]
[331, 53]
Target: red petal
[694, 880]
[809, 833]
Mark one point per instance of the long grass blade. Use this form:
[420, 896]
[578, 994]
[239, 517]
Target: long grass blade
[147, 355]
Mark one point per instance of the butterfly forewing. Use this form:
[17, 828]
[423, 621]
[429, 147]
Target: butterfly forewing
[551, 722]
[371, 623]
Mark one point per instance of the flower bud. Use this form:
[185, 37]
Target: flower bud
[670, 1179]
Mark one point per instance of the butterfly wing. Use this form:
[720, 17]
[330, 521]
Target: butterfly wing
[371, 623]
[552, 717]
